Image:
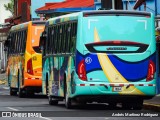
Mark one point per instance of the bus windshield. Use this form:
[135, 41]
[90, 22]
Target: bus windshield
[36, 37]
[119, 28]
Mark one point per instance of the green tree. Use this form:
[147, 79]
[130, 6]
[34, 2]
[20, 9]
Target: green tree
[10, 6]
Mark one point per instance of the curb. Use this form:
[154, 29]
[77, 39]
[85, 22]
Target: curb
[151, 106]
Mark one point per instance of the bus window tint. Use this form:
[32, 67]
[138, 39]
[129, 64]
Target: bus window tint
[52, 40]
[24, 40]
[55, 39]
[60, 39]
[68, 38]
[64, 38]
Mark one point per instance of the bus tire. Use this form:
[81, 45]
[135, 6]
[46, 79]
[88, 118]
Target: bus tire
[68, 101]
[47, 90]
[21, 93]
[29, 93]
[112, 105]
[127, 105]
[138, 105]
[13, 92]
[52, 101]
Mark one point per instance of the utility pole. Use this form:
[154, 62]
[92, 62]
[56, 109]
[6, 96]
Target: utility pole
[113, 4]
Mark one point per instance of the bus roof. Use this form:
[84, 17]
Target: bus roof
[63, 18]
[74, 16]
[25, 25]
[20, 26]
[117, 13]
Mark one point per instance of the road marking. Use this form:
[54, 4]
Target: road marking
[46, 118]
[12, 108]
[157, 105]
[6, 88]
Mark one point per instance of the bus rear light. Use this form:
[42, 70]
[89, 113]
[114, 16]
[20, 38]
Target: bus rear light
[151, 71]
[29, 67]
[82, 71]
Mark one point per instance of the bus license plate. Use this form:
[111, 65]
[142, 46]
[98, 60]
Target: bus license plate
[117, 89]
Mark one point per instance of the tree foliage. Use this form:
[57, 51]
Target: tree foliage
[10, 6]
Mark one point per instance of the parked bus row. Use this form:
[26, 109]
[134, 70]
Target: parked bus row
[97, 56]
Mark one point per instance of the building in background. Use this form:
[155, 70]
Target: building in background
[35, 4]
[144, 5]
[3, 33]
[67, 6]
[112, 4]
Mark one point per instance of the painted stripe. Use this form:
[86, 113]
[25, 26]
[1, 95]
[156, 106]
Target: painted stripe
[115, 85]
[82, 85]
[109, 69]
[12, 108]
[33, 78]
[46, 118]
[141, 84]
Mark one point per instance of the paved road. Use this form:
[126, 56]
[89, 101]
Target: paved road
[39, 104]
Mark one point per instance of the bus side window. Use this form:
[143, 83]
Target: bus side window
[24, 40]
[55, 39]
[19, 38]
[45, 34]
[49, 40]
[74, 37]
[23, 35]
[68, 38]
[21, 41]
[60, 34]
[11, 45]
[63, 40]
[15, 43]
[18, 43]
[52, 39]
[58, 37]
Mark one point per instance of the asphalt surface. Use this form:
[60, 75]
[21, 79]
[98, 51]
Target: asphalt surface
[39, 104]
[24, 108]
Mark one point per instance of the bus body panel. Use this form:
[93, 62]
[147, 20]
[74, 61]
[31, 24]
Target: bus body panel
[17, 74]
[116, 52]
[106, 70]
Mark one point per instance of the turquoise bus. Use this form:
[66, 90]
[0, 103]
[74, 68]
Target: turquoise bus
[99, 56]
